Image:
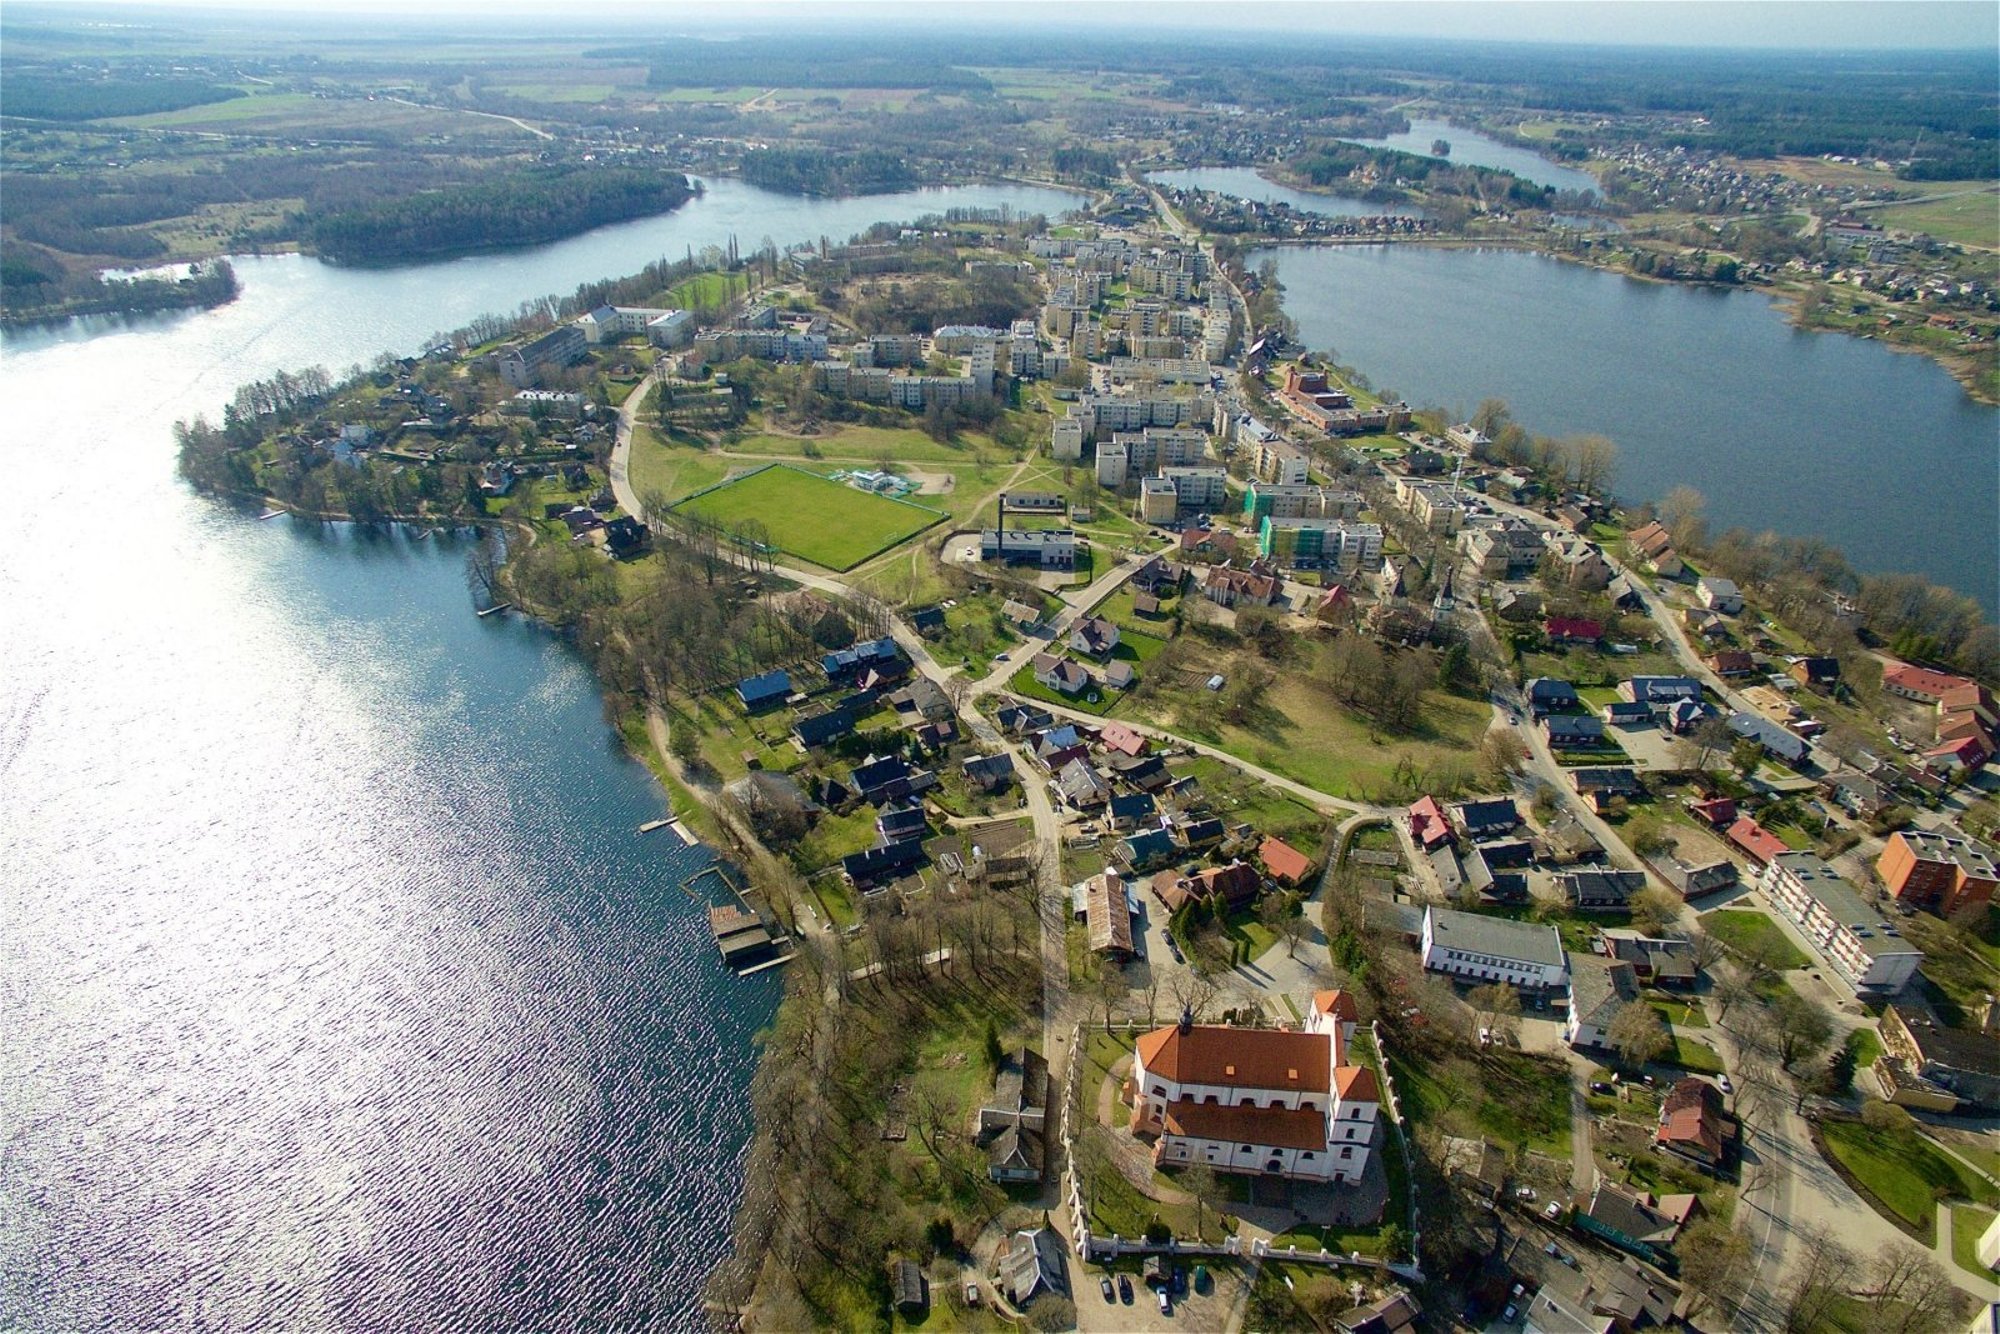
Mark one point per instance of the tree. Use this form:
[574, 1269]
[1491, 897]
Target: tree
[1886, 1117]
[1200, 1181]
[1715, 1266]
[1595, 459]
[995, 1054]
[1838, 1078]
[1820, 1274]
[1501, 753]
[1497, 1005]
[1637, 1033]
[1654, 910]
[1490, 416]
[1709, 738]
[1802, 1029]
[1680, 512]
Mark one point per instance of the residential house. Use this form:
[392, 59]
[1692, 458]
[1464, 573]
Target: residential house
[1021, 614]
[1578, 564]
[849, 663]
[900, 820]
[1632, 1220]
[1014, 1119]
[1081, 786]
[1572, 630]
[1494, 949]
[1605, 782]
[1720, 596]
[1715, 812]
[1625, 713]
[1921, 683]
[1693, 879]
[1148, 773]
[1284, 863]
[990, 773]
[1108, 916]
[1777, 742]
[1574, 731]
[1118, 739]
[1858, 794]
[758, 693]
[1428, 825]
[1660, 691]
[1016, 719]
[1131, 808]
[882, 780]
[1118, 675]
[1819, 673]
[1657, 961]
[1927, 1065]
[1146, 850]
[1598, 990]
[1094, 637]
[864, 869]
[1600, 890]
[1759, 843]
[1262, 1102]
[1225, 888]
[1727, 662]
[1852, 937]
[1228, 586]
[1202, 832]
[909, 1289]
[1065, 676]
[1395, 1312]
[928, 621]
[1692, 1123]
[921, 700]
[819, 729]
[1488, 818]
[1032, 1262]
[1938, 872]
[1547, 695]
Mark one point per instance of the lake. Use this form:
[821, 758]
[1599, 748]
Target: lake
[1879, 452]
[1247, 183]
[337, 989]
[1474, 149]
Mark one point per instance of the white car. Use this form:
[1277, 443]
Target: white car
[1722, 1082]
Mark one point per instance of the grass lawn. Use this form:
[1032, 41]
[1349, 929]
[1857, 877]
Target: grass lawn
[1680, 1013]
[1903, 1171]
[1506, 1095]
[1744, 930]
[1693, 1056]
[1968, 219]
[1967, 1224]
[1024, 684]
[1238, 796]
[1300, 731]
[707, 289]
[1867, 1047]
[1256, 937]
[827, 523]
[668, 469]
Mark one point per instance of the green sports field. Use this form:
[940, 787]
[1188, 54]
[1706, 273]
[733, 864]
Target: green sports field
[827, 523]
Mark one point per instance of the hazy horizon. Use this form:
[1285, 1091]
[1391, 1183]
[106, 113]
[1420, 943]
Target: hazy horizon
[1804, 25]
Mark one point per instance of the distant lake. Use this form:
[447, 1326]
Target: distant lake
[1474, 149]
[1880, 452]
[1247, 183]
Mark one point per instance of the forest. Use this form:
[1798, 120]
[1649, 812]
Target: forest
[538, 204]
[1330, 163]
[46, 98]
[29, 292]
[817, 171]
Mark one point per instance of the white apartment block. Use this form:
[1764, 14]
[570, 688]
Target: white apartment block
[1494, 949]
[1856, 940]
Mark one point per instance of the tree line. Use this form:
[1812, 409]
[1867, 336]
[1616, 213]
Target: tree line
[526, 207]
[819, 171]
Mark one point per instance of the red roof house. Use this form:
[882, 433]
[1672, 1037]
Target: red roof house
[1284, 863]
[1755, 839]
[1717, 812]
[1428, 824]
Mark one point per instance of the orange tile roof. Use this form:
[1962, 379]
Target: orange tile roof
[1922, 680]
[1284, 861]
[1259, 1058]
[1336, 1002]
[1273, 1126]
[1356, 1083]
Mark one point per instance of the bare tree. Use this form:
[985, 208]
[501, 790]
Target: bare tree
[1715, 1266]
[1819, 1279]
[1199, 1180]
[1192, 993]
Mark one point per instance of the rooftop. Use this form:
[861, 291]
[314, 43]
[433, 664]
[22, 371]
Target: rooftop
[1500, 936]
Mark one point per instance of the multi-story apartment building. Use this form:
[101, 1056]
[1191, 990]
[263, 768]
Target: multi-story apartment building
[1263, 1102]
[1295, 501]
[522, 364]
[1044, 548]
[1277, 460]
[610, 323]
[1940, 873]
[1132, 453]
[1334, 544]
[1198, 490]
[1852, 937]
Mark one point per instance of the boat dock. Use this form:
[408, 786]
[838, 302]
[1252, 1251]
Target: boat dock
[651, 825]
[495, 609]
[748, 940]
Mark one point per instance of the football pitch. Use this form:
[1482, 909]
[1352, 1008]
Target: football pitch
[828, 523]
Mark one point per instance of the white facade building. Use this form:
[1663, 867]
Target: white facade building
[1494, 949]
[1258, 1101]
[1856, 940]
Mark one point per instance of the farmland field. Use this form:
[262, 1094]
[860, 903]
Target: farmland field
[807, 516]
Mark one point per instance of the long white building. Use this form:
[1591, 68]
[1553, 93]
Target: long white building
[1494, 949]
[1263, 1102]
[1857, 941]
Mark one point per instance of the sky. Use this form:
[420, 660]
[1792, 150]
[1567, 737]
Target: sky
[1807, 24]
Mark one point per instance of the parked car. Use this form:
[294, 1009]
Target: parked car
[1722, 1082]
[1125, 1288]
[1599, 1086]
[1166, 1302]
[1553, 1210]
[1524, 1192]
[1104, 1286]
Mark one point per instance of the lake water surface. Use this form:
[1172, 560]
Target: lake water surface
[1477, 150]
[1878, 451]
[336, 988]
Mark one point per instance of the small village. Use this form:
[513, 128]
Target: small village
[1402, 875]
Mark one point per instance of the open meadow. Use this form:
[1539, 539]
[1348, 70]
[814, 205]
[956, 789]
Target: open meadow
[807, 516]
